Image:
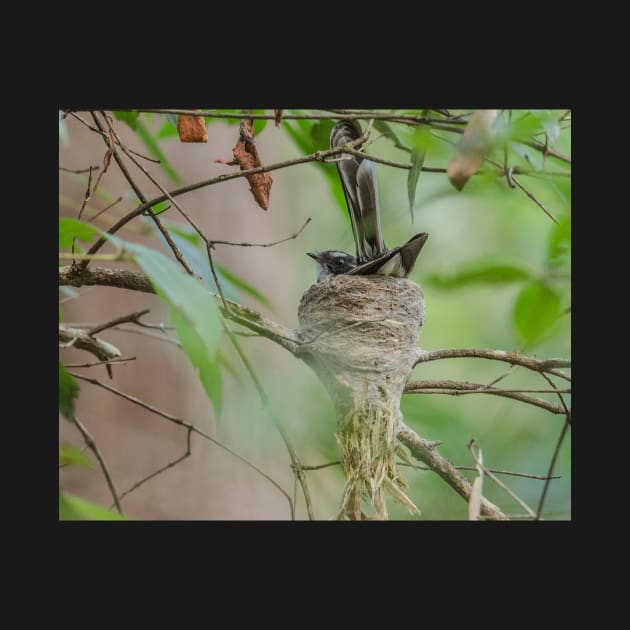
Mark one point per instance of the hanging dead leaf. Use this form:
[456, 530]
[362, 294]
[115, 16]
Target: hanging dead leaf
[246, 156]
[191, 128]
[473, 147]
[278, 116]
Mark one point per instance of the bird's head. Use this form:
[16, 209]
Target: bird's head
[333, 263]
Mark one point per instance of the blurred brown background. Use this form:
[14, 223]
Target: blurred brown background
[210, 484]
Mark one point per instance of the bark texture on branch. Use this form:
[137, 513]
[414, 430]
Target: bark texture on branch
[359, 336]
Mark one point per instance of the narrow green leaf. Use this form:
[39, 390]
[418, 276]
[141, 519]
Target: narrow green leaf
[244, 286]
[158, 208]
[536, 309]
[201, 357]
[70, 455]
[229, 366]
[73, 508]
[189, 243]
[320, 134]
[68, 391]
[154, 149]
[559, 245]
[385, 128]
[259, 123]
[131, 118]
[418, 153]
[483, 271]
[193, 312]
[301, 135]
[73, 228]
[552, 128]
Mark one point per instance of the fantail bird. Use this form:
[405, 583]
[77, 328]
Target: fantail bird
[358, 179]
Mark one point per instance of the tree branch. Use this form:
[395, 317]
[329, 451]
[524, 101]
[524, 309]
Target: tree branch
[91, 444]
[137, 281]
[421, 450]
[457, 388]
[178, 255]
[183, 423]
[81, 339]
[515, 358]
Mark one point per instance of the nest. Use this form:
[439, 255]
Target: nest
[360, 335]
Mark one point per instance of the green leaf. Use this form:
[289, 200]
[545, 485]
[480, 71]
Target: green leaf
[131, 118]
[552, 128]
[168, 130]
[418, 153]
[483, 271]
[73, 228]
[158, 208]
[300, 133]
[154, 149]
[70, 455]
[385, 128]
[259, 123]
[537, 307]
[193, 312]
[559, 245]
[244, 286]
[230, 367]
[68, 391]
[189, 244]
[201, 357]
[73, 508]
[320, 134]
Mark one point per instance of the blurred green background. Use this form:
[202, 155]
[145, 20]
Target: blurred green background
[495, 274]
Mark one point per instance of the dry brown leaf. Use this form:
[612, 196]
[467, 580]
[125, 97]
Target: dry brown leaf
[191, 128]
[246, 156]
[278, 116]
[473, 147]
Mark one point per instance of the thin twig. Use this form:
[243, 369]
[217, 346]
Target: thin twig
[111, 205]
[162, 469]
[313, 157]
[86, 198]
[457, 388]
[183, 423]
[178, 255]
[554, 457]
[79, 171]
[131, 317]
[74, 337]
[531, 196]
[91, 444]
[499, 483]
[121, 361]
[515, 358]
[296, 465]
[416, 467]
[282, 240]
[421, 450]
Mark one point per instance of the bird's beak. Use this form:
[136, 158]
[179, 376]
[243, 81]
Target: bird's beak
[314, 255]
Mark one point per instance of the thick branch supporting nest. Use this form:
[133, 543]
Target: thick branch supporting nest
[359, 334]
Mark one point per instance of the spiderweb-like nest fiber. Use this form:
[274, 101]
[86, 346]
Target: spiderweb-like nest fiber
[360, 335]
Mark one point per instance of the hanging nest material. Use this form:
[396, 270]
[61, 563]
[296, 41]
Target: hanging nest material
[360, 335]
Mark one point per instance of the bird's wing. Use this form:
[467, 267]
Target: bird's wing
[401, 259]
